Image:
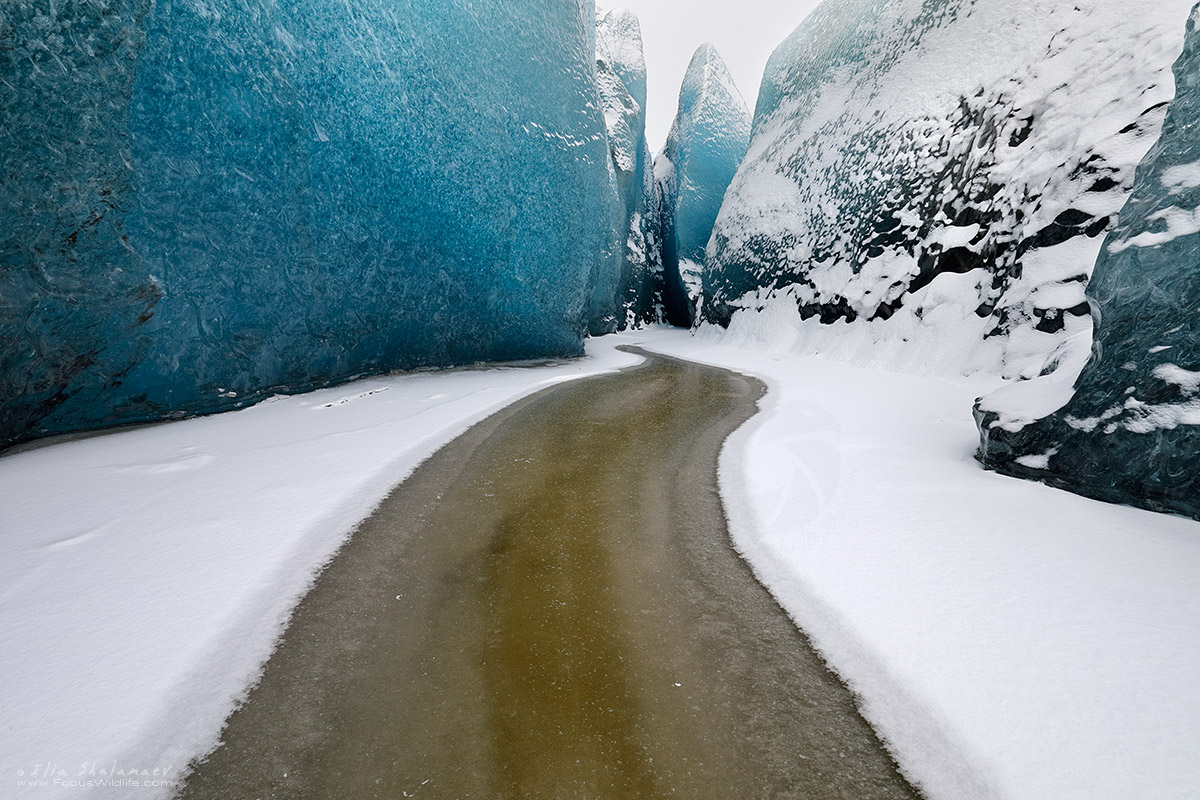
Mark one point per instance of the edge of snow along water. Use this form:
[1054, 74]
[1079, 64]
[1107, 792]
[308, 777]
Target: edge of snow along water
[146, 574]
[1007, 640]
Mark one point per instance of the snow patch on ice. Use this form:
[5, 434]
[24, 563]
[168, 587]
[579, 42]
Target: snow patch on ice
[1181, 177]
[1149, 418]
[1187, 380]
[1039, 461]
[1178, 221]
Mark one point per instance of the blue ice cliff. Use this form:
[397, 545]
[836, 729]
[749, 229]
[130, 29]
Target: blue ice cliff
[1131, 430]
[625, 295]
[703, 150]
[208, 202]
[929, 182]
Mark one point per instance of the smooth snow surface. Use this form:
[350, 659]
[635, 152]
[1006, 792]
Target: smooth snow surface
[145, 574]
[1008, 640]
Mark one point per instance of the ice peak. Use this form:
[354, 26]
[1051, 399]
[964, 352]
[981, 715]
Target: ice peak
[708, 76]
[619, 44]
[703, 150]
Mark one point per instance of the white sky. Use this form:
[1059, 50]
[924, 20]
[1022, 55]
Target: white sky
[743, 31]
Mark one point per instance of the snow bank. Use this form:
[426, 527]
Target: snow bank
[1008, 640]
[146, 573]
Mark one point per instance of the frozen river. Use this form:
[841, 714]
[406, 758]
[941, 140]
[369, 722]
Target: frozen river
[550, 607]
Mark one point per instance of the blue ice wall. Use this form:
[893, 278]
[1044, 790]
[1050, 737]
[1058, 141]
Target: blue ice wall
[1131, 432]
[624, 296]
[207, 202]
[706, 144]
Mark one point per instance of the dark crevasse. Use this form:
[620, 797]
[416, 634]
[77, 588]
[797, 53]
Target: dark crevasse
[1131, 431]
[205, 203]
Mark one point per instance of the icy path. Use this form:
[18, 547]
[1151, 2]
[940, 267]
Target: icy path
[145, 574]
[1010, 640]
[549, 608]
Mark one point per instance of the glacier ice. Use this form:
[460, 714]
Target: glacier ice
[625, 294]
[707, 142]
[206, 202]
[935, 178]
[1131, 431]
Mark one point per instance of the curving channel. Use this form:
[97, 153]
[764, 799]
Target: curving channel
[550, 607]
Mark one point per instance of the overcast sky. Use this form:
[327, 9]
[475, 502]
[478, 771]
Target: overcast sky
[743, 31]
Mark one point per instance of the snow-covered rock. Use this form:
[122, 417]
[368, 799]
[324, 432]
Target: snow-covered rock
[1130, 432]
[932, 179]
[703, 150]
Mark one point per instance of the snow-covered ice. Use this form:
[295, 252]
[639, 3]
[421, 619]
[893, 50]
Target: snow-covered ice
[1127, 428]
[933, 168]
[145, 574]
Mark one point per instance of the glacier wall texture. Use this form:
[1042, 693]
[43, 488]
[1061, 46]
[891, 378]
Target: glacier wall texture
[1131, 431]
[208, 201]
[704, 147]
[625, 295]
[934, 178]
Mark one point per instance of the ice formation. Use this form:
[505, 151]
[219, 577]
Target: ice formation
[625, 294]
[208, 202]
[1131, 431]
[934, 178]
[707, 142]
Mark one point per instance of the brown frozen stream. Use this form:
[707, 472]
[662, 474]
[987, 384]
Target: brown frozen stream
[550, 608]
